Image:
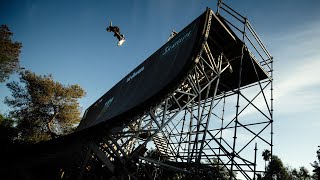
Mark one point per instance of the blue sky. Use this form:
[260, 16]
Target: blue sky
[68, 39]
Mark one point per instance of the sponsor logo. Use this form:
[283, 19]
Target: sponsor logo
[177, 42]
[134, 74]
[106, 106]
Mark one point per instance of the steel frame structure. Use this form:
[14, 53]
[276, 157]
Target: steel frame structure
[196, 127]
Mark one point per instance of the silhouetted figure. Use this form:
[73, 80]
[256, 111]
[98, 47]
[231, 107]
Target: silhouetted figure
[116, 31]
[173, 34]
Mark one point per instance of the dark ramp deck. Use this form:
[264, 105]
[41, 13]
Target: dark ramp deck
[141, 89]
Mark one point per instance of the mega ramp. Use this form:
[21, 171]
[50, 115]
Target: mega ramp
[203, 63]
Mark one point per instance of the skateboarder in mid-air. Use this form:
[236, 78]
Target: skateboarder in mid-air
[116, 31]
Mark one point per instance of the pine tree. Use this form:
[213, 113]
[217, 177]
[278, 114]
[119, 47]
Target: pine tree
[316, 166]
[43, 108]
[9, 54]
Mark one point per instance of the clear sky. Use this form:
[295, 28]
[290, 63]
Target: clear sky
[68, 40]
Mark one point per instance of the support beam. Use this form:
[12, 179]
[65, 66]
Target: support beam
[95, 149]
